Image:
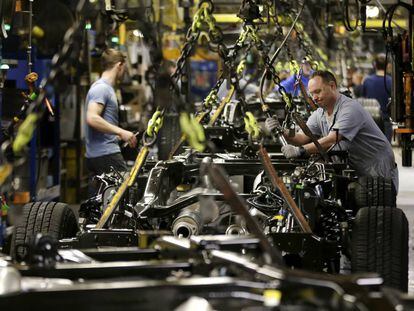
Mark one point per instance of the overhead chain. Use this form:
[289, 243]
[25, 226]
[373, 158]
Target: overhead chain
[191, 127]
[267, 63]
[212, 97]
[303, 39]
[279, 29]
[252, 34]
[203, 20]
[180, 72]
[248, 37]
[293, 64]
[305, 44]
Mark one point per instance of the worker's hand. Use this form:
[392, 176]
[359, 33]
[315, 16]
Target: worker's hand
[128, 137]
[272, 124]
[291, 152]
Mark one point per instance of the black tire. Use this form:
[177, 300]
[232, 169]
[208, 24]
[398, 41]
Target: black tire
[380, 244]
[373, 192]
[49, 218]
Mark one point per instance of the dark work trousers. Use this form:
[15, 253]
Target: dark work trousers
[103, 164]
[388, 128]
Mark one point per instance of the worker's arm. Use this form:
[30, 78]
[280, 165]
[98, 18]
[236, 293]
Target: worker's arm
[313, 124]
[299, 139]
[326, 142]
[94, 119]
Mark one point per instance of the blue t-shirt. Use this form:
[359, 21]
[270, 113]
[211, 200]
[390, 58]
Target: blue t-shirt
[374, 87]
[97, 143]
[289, 84]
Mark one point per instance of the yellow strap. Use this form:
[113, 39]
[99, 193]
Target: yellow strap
[278, 217]
[5, 171]
[272, 297]
[211, 99]
[220, 108]
[286, 99]
[113, 204]
[155, 123]
[249, 31]
[294, 66]
[279, 67]
[299, 27]
[183, 137]
[128, 182]
[243, 36]
[25, 133]
[251, 126]
[139, 162]
[240, 67]
[193, 131]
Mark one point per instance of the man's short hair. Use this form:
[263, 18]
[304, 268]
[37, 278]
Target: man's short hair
[110, 57]
[379, 62]
[326, 76]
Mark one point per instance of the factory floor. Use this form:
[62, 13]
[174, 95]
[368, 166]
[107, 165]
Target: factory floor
[405, 201]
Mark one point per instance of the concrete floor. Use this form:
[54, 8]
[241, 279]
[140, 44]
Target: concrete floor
[405, 201]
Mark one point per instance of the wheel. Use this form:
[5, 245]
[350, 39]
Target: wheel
[372, 192]
[380, 244]
[49, 218]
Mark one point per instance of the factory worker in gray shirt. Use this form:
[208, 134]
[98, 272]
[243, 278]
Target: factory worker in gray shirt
[342, 120]
[102, 130]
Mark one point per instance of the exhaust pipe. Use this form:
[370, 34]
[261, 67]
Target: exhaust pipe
[189, 222]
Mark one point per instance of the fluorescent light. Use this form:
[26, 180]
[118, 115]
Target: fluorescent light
[372, 11]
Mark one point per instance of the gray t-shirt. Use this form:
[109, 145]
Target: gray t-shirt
[98, 143]
[370, 153]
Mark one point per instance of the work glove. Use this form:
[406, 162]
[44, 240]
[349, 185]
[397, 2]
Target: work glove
[271, 124]
[291, 152]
